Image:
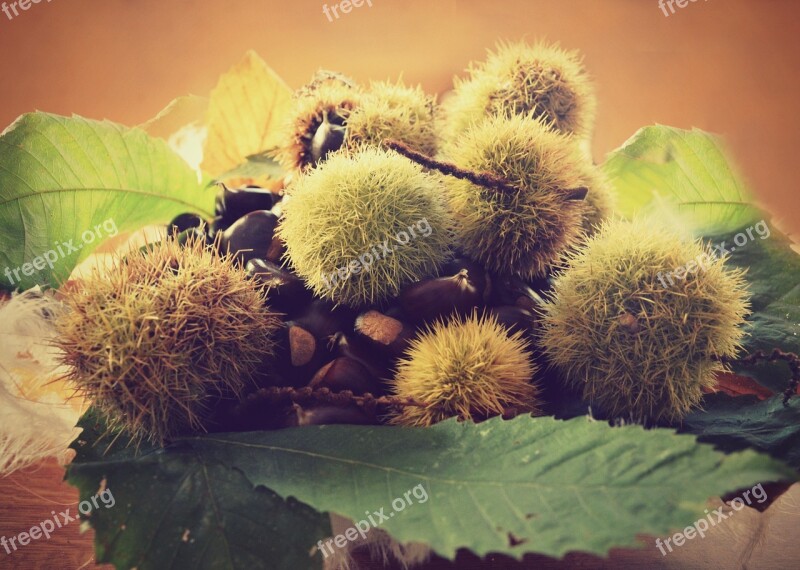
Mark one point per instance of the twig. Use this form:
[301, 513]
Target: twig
[308, 395]
[367, 401]
[484, 179]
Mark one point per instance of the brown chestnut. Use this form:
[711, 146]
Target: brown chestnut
[233, 203]
[299, 354]
[514, 318]
[388, 334]
[428, 300]
[285, 290]
[250, 236]
[478, 275]
[514, 291]
[344, 374]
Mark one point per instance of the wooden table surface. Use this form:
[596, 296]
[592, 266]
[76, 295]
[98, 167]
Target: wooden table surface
[30, 496]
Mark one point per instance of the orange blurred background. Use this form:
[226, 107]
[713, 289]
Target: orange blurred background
[728, 66]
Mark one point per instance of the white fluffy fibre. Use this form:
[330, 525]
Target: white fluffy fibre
[37, 411]
[37, 417]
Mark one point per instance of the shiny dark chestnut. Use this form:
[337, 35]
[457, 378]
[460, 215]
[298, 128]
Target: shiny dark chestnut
[233, 203]
[251, 236]
[328, 138]
[344, 374]
[184, 222]
[514, 318]
[325, 320]
[514, 291]
[428, 300]
[285, 290]
[478, 276]
[361, 350]
[217, 226]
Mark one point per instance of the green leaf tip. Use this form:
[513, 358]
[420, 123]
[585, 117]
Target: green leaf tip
[689, 170]
[62, 178]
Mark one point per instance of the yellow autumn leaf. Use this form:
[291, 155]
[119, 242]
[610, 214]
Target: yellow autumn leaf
[183, 111]
[245, 111]
[181, 124]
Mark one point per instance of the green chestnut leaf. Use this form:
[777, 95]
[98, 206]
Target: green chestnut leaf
[68, 183]
[735, 423]
[181, 508]
[524, 485]
[773, 276]
[689, 171]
